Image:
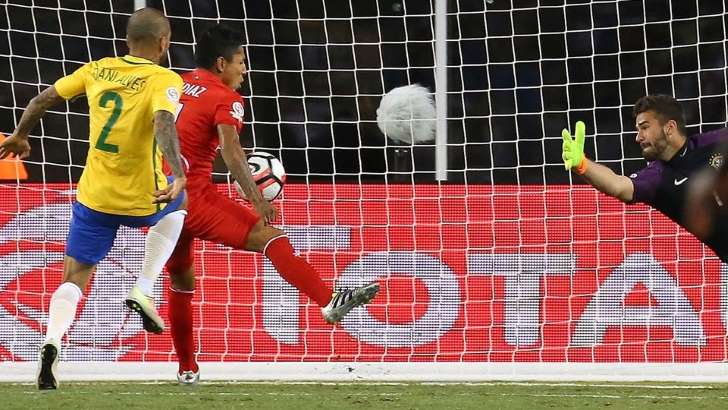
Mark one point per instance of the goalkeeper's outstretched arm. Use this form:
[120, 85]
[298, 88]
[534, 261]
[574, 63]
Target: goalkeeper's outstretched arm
[600, 177]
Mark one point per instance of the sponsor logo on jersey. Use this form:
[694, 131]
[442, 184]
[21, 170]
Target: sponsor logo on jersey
[238, 112]
[172, 94]
[716, 160]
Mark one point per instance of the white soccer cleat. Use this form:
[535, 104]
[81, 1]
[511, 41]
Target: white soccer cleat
[137, 301]
[346, 299]
[47, 365]
[188, 378]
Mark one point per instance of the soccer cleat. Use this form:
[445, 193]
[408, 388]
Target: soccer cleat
[47, 365]
[137, 301]
[346, 299]
[188, 377]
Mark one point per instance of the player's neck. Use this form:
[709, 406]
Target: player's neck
[673, 149]
[146, 54]
[212, 72]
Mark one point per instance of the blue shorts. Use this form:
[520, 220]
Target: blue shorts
[91, 233]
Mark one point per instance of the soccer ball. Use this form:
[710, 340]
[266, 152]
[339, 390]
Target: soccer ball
[268, 174]
[407, 114]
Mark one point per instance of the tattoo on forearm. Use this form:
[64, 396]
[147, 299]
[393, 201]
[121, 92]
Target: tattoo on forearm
[166, 135]
[36, 109]
[245, 178]
[238, 166]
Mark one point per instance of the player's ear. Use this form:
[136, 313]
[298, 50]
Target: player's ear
[220, 64]
[669, 127]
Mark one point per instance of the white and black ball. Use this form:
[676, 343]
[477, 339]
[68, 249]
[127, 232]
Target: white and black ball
[268, 174]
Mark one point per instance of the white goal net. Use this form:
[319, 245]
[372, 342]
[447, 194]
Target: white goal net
[511, 260]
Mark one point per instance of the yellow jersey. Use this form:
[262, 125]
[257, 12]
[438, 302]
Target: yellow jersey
[124, 165]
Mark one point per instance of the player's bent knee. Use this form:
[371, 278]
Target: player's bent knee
[260, 235]
[183, 279]
[181, 272]
[77, 272]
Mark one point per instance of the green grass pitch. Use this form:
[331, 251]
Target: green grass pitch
[366, 395]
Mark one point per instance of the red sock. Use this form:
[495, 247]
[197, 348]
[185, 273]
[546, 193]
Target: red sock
[296, 271]
[180, 320]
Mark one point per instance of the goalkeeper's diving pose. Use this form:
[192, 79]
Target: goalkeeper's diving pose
[674, 161]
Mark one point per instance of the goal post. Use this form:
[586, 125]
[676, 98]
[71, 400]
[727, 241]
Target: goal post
[511, 268]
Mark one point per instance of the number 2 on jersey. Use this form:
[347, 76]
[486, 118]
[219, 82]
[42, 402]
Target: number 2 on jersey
[101, 143]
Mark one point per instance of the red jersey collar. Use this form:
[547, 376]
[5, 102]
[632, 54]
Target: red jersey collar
[204, 74]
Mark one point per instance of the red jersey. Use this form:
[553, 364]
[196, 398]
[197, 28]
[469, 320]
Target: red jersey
[206, 102]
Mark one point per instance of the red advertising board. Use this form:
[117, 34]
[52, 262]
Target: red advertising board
[468, 273]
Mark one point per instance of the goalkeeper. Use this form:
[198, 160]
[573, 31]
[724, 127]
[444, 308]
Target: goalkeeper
[132, 102]
[674, 161]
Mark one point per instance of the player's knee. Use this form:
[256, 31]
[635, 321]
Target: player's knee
[260, 235]
[182, 278]
[77, 272]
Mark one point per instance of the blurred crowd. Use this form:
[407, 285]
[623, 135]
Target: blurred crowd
[518, 72]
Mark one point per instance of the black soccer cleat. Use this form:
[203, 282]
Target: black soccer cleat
[47, 365]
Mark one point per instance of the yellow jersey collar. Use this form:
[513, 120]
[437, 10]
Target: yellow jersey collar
[136, 60]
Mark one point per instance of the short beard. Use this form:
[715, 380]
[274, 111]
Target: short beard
[657, 149]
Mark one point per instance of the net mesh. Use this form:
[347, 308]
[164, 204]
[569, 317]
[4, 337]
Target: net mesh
[511, 260]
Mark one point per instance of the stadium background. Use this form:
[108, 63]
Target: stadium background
[518, 73]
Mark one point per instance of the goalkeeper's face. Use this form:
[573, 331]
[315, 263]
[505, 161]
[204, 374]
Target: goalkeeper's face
[650, 135]
[233, 70]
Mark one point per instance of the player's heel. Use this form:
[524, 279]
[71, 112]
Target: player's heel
[47, 365]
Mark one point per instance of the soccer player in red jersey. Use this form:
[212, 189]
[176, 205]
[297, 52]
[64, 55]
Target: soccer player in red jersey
[211, 115]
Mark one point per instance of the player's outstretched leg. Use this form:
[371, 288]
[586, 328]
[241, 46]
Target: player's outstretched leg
[273, 243]
[346, 299]
[47, 365]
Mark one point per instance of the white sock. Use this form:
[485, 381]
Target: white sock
[62, 310]
[158, 247]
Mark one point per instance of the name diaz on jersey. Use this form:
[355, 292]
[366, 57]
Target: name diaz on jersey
[193, 90]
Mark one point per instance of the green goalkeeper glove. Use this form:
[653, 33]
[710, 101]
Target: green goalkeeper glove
[573, 149]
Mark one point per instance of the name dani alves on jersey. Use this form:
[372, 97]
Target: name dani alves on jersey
[129, 81]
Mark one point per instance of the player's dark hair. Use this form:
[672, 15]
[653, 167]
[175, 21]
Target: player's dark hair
[216, 41]
[665, 107]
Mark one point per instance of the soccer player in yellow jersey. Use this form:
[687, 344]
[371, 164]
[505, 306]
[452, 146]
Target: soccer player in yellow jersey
[132, 105]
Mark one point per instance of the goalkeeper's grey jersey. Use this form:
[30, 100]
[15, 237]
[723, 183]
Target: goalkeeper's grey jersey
[664, 184]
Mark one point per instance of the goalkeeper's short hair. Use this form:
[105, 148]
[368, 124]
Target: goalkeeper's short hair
[665, 107]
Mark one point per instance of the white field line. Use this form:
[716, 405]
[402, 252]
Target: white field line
[368, 383]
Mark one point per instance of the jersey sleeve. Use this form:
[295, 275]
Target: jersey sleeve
[231, 112]
[73, 84]
[165, 92]
[645, 182]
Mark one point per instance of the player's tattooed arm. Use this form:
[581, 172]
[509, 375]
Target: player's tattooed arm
[237, 163]
[167, 141]
[36, 109]
[18, 142]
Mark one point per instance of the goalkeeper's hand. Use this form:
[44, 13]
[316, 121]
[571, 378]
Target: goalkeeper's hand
[573, 149]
